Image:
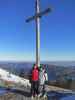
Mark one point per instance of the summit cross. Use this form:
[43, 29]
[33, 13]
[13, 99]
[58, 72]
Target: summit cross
[36, 17]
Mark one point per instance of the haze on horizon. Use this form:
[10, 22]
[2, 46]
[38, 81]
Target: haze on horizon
[17, 38]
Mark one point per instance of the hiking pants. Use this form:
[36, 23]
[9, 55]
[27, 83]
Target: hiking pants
[34, 88]
[42, 89]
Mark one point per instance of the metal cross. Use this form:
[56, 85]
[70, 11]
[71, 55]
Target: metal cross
[37, 17]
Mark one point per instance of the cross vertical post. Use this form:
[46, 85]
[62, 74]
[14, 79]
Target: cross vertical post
[37, 21]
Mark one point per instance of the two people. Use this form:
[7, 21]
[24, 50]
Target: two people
[38, 78]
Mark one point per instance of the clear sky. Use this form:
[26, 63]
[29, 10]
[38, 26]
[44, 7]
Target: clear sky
[17, 38]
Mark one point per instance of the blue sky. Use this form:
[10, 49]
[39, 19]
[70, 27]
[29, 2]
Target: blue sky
[17, 38]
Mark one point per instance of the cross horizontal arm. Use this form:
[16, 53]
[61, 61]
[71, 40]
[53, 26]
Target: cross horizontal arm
[38, 15]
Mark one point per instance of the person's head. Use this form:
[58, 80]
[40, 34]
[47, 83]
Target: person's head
[35, 66]
[40, 68]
